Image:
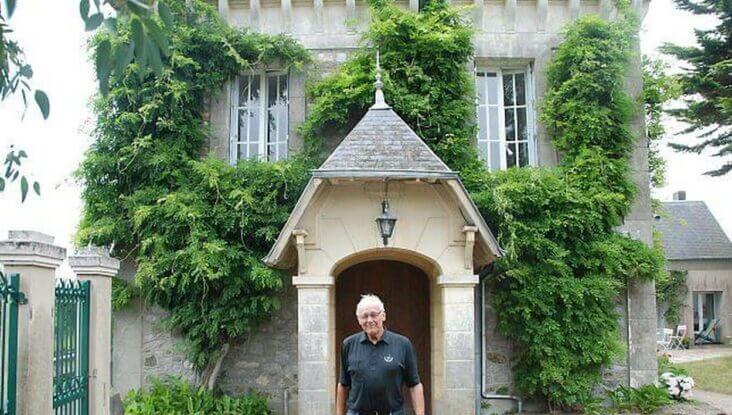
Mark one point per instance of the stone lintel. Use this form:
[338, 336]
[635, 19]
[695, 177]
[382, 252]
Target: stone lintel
[313, 281]
[94, 261]
[31, 248]
[457, 280]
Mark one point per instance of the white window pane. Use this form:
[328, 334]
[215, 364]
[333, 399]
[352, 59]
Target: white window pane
[283, 104]
[282, 150]
[480, 87]
[510, 134]
[494, 162]
[520, 89]
[253, 150]
[492, 82]
[242, 151]
[508, 90]
[483, 150]
[511, 154]
[521, 124]
[482, 124]
[244, 119]
[244, 83]
[523, 154]
[493, 121]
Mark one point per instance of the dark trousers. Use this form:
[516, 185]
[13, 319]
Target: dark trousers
[397, 412]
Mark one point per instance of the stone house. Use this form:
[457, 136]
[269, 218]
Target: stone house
[694, 242]
[428, 274]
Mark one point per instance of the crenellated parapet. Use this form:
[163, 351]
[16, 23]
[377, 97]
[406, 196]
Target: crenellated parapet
[325, 24]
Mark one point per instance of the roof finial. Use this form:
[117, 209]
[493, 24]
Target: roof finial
[379, 102]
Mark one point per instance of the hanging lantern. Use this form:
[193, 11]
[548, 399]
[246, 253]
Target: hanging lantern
[386, 222]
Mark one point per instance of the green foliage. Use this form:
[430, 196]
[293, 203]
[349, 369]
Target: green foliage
[122, 294]
[175, 396]
[423, 57]
[707, 85]
[197, 228]
[658, 88]
[671, 290]
[647, 399]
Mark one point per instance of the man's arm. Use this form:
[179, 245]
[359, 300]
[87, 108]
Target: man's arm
[416, 393]
[341, 397]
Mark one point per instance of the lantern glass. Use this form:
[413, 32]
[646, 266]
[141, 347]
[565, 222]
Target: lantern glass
[386, 222]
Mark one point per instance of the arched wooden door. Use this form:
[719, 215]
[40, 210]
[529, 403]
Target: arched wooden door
[404, 289]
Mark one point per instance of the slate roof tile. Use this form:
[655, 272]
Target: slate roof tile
[383, 142]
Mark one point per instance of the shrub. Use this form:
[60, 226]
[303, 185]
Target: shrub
[646, 399]
[176, 396]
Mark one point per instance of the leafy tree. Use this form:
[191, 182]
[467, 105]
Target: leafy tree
[146, 48]
[707, 83]
[658, 89]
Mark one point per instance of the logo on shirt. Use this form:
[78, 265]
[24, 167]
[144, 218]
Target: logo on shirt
[388, 358]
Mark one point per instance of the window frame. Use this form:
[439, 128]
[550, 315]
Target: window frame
[263, 110]
[501, 71]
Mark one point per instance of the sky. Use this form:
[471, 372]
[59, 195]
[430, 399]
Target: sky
[52, 34]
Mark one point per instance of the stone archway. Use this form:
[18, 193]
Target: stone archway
[405, 290]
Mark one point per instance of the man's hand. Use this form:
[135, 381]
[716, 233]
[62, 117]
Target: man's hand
[341, 397]
[416, 393]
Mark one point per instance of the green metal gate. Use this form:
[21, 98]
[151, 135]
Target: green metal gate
[10, 298]
[71, 348]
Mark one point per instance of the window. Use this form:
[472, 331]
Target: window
[259, 116]
[505, 118]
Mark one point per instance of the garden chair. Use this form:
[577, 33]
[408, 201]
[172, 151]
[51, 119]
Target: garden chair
[707, 336]
[676, 340]
[663, 339]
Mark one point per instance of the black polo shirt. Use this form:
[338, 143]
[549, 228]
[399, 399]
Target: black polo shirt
[375, 372]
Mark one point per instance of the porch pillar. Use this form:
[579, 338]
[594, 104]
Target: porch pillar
[95, 265]
[315, 338]
[458, 344]
[35, 258]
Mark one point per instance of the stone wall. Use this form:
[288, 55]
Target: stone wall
[267, 360]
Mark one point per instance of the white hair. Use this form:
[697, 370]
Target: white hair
[369, 299]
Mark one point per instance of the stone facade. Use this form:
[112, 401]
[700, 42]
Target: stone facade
[298, 339]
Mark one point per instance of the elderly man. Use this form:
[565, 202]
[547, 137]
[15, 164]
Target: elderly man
[374, 365]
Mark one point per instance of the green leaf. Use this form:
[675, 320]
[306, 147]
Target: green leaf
[153, 55]
[138, 37]
[103, 64]
[84, 9]
[23, 189]
[122, 57]
[93, 22]
[137, 7]
[10, 5]
[165, 15]
[43, 104]
[37, 188]
[26, 71]
[158, 35]
[2, 184]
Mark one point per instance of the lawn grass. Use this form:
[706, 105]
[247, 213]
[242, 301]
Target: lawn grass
[713, 375]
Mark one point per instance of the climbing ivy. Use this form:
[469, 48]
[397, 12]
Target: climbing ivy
[195, 226]
[565, 265]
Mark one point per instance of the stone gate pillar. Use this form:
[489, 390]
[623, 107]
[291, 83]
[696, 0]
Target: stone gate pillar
[95, 265]
[315, 338]
[457, 394]
[34, 256]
